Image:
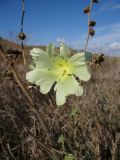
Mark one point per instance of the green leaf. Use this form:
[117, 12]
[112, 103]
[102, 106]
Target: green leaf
[74, 111]
[61, 139]
[69, 157]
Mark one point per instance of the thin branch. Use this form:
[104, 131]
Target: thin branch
[88, 35]
[24, 59]
[22, 18]
[22, 44]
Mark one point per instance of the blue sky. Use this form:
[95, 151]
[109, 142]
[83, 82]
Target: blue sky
[63, 20]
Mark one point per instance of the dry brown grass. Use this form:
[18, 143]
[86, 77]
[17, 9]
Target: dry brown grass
[92, 134]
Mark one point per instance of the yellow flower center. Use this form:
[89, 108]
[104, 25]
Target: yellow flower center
[63, 68]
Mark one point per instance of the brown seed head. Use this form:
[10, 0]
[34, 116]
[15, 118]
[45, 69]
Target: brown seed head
[99, 59]
[87, 10]
[95, 1]
[91, 32]
[22, 36]
[92, 23]
[8, 74]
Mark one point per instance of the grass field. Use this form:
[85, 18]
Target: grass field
[88, 128]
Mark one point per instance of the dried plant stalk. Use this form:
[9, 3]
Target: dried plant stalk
[29, 97]
[22, 45]
[88, 35]
[17, 77]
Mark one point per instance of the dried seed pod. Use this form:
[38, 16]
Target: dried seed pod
[22, 36]
[87, 10]
[95, 1]
[13, 54]
[92, 23]
[12, 51]
[91, 32]
[7, 75]
[99, 59]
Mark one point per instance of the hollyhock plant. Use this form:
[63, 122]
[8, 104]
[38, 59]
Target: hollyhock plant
[61, 69]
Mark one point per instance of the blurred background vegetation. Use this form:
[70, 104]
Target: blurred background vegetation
[87, 128]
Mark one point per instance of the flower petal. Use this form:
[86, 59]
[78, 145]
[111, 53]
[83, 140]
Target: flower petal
[36, 52]
[50, 49]
[64, 50]
[40, 58]
[81, 56]
[81, 69]
[66, 87]
[83, 72]
[44, 62]
[43, 78]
